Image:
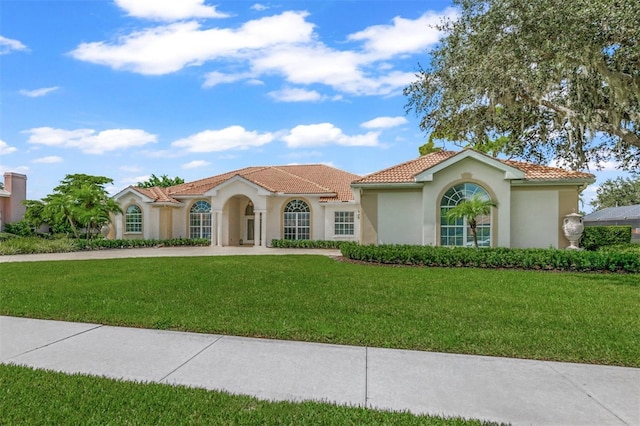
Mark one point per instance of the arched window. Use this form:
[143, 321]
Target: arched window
[133, 219]
[297, 220]
[200, 220]
[458, 233]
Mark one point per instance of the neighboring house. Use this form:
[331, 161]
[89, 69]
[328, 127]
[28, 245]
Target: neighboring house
[403, 204]
[407, 203]
[11, 198]
[625, 215]
[250, 206]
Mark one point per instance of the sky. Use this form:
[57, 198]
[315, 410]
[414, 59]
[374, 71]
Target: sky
[190, 88]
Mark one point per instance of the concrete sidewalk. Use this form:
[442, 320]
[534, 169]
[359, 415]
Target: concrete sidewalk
[488, 388]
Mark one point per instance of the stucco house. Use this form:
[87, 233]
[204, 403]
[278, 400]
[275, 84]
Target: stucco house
[403, 204]
[11, 198]
[250, 206]
[407, 203]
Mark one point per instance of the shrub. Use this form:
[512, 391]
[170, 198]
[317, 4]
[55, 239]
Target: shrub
[20, 228]
[539, 259]
[32, 245]
[313, 244]
[595, 237]
[101, 243]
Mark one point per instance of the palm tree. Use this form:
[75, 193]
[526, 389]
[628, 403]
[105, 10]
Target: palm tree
[470, 209]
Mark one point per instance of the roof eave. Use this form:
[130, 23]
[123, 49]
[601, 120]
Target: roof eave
[551, 182]
[381, 185]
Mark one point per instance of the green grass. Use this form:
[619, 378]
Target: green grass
[36, 397]
[588, 318]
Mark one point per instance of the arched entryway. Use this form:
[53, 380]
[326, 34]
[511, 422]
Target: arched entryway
[242, 223]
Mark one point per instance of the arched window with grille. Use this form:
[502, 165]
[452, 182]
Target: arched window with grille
[200, 220]
[133, 220]
[297, 220]
[458, 233]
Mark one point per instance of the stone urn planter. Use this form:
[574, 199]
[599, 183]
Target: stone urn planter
[573, 228]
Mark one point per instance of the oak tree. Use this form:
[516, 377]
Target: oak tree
[550, 79]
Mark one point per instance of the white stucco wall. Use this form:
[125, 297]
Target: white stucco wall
[534, 218]
[329, 221]
[469, 170]
[399, 217]
[149, 219]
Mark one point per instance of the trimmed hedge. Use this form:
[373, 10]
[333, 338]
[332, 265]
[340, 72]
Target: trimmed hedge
[312, 244]
[537, 259]
[595, 237]
[116, 244]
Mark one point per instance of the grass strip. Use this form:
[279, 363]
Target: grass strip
[37, 397]
[588, 318]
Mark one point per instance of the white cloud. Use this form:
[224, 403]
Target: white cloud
[8, 45]
[326, 134]
[259, 7]
[292, 94]
[403, 36]
[166, 49]
[384, 122]
[344, 71]
[195, 164]
[283, 45]
[18, 169]
[39, 92]
[169, 10]
[214, 78]
[232, 137]
[88, 140]
[6, 149]
[134, 180]
[48, 160]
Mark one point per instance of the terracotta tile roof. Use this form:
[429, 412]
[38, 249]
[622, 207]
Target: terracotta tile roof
[157, 194]
[539, 172]
[407, 171]
[330, 183]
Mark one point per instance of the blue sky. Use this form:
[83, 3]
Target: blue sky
[190, 88]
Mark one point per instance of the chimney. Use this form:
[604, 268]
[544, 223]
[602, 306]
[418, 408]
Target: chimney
[16, 184]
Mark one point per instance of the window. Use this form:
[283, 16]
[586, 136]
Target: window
[458, 233]
[343, 223]
[248, 211]
[133, 219]
[297, 220]
[200, 220]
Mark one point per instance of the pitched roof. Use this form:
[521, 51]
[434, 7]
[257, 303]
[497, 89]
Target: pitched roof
[329, 183]
[406, 172]
[614, 213]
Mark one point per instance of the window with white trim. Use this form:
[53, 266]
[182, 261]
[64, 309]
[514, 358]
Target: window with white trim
[458, 233]
[200, 220]
[133, 220]
[344, 223]
[297, 220]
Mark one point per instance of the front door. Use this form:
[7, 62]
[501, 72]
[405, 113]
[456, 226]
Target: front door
[249, 230]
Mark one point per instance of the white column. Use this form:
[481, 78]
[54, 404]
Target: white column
[263, 229]
[219, 227]
[257, 229]
[214, 234]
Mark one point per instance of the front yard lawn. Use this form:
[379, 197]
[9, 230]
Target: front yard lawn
[577, 317]
[35, 397]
